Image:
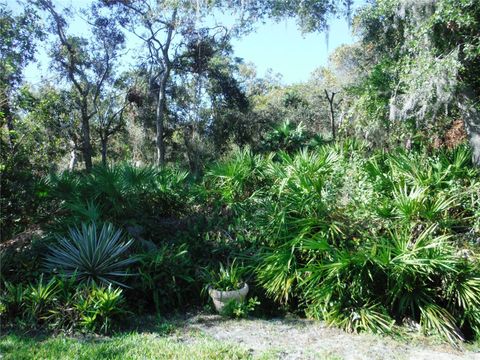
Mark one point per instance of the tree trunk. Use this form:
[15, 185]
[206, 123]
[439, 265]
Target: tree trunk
[475, 144]
[7, 114]
[160, 116]
[104, 141]
[86, 143]
[73, 160]
[332, 113]
[189, 134]
[471, 118]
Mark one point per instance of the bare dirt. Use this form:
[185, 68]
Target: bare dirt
[305, 339]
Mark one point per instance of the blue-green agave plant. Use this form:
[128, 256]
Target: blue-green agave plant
[91, 255]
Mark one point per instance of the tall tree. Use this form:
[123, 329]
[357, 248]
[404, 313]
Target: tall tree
[87, 65]
[156, 23]
[206, 95]
[18, 34]
[109, 120]
[427, 61]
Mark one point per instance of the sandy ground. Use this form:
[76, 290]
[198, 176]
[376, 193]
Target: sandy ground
[304, 339]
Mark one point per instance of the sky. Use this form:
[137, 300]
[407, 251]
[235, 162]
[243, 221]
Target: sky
[277, 46]
[282, 48]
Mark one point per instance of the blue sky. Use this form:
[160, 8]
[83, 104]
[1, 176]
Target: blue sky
[282, 47]
[277, 46]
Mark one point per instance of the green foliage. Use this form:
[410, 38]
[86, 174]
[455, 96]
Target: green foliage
[91, 254]
[225, 279]
[17, 200]
[286, 137]
[39, 298]
[235, 179]
[166, 278]
[12, 300]
[21, 258]
[17, 43]
[99, 307]
[123, 195]
[423, 68]
[362, 239]
[365, 242]
[61, 304]
[239, 310]
[299, 205]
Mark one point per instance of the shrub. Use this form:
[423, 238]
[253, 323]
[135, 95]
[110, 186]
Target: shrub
[12, 299]
[39, 298]
[60, 304]
[225, 279]
[234, 179]
[124, 195]
[301, 204]
[287, 137]
[238, 310]
[91, 255]
[166, 278]
[403, 276]
[22, 256]
[99, 306]
[366, 242]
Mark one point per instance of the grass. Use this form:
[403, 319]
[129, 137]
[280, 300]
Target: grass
[155, 338]
[128, 346]
[125, 346]
[146, 337]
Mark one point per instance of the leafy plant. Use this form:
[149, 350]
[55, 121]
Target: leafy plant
[286, 137]
[39, 298]
[62, 304]
[119, 194]
[239, 309]
[234, 179]
[91, 255]
[12, 298]
[99, 306]
[225, 279]
[166, 277]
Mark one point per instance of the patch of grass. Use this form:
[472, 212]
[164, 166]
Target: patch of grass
[275, 354]
[473, 346]
[125, 346]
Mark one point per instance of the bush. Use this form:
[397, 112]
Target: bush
[363, 242]
[121, 194]
[403, 276]
[22, 256]
[239, 310]
[91, 255]
[166, 279]
[225, 279]
[60, 304]
[99, 306]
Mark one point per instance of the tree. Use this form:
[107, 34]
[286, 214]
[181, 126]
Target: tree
[109, 120]
[427, 55]
[330, 99]
[49, 128]
[88, 66]
[207, 96]
[156, 23]
[17, 48]
[311, 15]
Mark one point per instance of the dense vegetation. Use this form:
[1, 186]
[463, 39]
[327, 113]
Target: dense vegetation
[363, 212]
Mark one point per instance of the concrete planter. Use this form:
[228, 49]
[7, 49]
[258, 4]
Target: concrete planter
[221, 298]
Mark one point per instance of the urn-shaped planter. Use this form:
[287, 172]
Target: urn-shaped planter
[221, 298]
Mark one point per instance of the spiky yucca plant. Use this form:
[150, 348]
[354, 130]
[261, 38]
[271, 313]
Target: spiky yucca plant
[91, 254]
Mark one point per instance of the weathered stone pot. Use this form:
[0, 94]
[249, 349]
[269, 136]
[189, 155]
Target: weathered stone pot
[221, 298]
